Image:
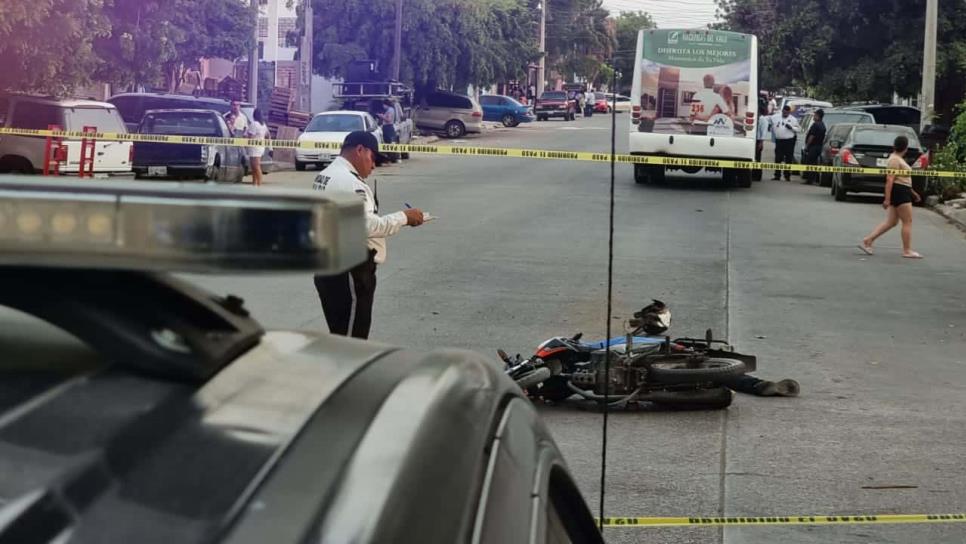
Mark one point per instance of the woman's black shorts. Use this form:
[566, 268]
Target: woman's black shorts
[901, 194]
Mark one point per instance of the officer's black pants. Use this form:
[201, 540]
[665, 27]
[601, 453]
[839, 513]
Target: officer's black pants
[785, 152]
[347, 299]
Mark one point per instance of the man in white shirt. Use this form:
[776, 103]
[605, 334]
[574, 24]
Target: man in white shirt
[706, 103]
[237, 120]
[785, 127]
[772, 104]
[762, 133]
[590, 99]
[347, 298]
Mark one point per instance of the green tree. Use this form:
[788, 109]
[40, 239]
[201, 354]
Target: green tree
[579, 38]
[154, 41]
[629, 23]
[46, 46]
[856, 50]
[449, 43]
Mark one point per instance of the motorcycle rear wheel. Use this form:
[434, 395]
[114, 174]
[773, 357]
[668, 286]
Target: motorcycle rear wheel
[717, 398]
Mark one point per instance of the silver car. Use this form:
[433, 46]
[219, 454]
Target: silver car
[453, 115]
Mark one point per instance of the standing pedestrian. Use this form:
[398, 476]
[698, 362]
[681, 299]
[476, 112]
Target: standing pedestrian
[763, 129]
[389, 134]
[589, 101]
[899, 196]
[813, 143]
[347, 298]
[785, 129]
[257, 130]
[236, 119]
[531, 92]
[772, 104]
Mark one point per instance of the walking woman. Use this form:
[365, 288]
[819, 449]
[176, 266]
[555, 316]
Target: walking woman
[257, 130]
[899, 197]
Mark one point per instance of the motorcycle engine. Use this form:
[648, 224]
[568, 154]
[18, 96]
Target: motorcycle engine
[624, 378]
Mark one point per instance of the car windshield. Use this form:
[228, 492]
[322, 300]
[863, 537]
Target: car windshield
[883, 138]
[554, 96]
[181, 123]
[336, 123]
[837, 118]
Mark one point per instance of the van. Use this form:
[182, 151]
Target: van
[25, 154]
[452, 114]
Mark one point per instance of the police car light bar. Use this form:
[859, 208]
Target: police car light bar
[177, 227]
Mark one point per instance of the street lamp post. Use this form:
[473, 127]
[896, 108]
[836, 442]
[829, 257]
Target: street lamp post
[541, 69]
[928, 102]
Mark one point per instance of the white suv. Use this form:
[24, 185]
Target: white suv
[25, 154]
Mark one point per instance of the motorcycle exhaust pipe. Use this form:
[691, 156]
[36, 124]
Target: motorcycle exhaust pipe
[533, 378]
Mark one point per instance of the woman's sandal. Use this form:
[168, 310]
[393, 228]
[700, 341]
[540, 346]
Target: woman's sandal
[913, 255]
[866, 249]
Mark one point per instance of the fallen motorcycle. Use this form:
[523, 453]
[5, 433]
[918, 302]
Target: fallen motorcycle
[684, 373]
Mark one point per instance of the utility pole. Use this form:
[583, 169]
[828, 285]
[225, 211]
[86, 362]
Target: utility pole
[928, 99]
[543, 6]
[253, 60]
[305, 60]
[397, 50]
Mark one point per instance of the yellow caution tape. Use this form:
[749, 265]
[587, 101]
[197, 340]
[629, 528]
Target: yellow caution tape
[782, 520]
[473, 151]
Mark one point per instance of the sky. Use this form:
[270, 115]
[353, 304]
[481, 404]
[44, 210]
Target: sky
[670, 13]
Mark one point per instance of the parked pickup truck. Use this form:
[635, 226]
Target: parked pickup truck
[555, 104]
[209, 161]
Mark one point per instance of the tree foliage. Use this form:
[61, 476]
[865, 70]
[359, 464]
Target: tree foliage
[46, 46]
[52, 46]
[156, 40]
[628, 25]
[579, 38]
[450, 43]
[855, 50]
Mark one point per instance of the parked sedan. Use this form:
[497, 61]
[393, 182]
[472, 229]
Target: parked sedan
[505, 109]
[869, 146]
[208, 161]
[332, 126]
[604, 101]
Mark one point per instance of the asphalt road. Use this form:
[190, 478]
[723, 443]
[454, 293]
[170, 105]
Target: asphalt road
[520, 253]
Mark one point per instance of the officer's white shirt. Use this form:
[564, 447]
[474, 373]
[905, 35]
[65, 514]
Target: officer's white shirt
[785, 128]
[342, 177]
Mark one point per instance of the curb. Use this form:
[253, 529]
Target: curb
[956, 216]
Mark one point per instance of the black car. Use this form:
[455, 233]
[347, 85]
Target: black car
[211, 162]
[870, 146]
[132, 107]
[136, 407]
[833, 117]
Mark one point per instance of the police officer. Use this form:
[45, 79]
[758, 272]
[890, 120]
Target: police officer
[347, 298]
[785, 128]
[813, 143]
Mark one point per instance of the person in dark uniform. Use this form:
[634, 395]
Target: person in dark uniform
[813, 144]
[347, 298]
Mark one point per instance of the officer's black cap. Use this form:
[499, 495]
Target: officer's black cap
[365, 139]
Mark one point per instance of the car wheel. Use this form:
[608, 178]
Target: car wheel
[730, 177]
[405, 156]
[299, 166]
[509, 121]
[454, 129]
[743, 178]
[838, 191]
[640, 174]
[16, 165]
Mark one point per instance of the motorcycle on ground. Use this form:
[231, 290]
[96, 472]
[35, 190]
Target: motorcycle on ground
[683, 373]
